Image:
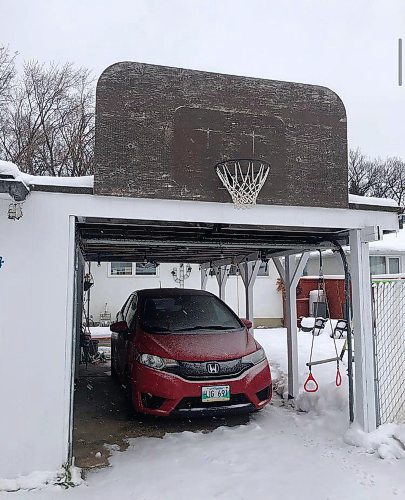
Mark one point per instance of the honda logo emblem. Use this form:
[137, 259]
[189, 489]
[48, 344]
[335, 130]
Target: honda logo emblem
[213, 368]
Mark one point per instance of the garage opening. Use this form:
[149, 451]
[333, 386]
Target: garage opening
[100, 409]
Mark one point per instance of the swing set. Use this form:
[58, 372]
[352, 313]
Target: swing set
[341, 329]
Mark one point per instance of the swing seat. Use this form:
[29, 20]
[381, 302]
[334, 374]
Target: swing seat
[318, 326]
[340, 330]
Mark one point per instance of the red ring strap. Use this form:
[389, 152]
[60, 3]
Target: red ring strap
[338, 378]
[311, 379]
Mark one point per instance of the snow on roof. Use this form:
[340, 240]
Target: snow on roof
[391, 244]
[7, 168]
[370, 200]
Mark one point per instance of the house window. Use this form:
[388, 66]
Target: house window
[121, 269]
[263, 270]
[378, 265]
[148, 269]
[384, 265]
[393, 265]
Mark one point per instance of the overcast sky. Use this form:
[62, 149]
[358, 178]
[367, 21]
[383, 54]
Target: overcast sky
[347, 45]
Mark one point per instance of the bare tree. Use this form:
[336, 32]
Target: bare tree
[48, 128]
[7, 73]
[377, 177]
[394, 179]
[363, 174]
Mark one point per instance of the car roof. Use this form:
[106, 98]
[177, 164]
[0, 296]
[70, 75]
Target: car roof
[170, 292]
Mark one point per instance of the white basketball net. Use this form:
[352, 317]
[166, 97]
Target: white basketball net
[243, 179]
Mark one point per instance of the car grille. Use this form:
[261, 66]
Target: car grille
[200, 370]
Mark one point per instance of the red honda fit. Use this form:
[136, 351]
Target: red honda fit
[185, 352]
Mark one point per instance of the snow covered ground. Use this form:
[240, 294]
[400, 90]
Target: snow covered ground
[282, 453]
[100, 332]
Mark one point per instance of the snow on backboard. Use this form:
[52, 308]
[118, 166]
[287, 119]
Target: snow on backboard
[161, 130]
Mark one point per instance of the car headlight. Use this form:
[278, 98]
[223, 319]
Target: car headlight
[255, 358]
[156, 362]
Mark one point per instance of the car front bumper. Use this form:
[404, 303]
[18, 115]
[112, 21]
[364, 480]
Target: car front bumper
[159, 393]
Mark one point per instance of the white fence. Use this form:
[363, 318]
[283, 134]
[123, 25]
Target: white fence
[389, 312]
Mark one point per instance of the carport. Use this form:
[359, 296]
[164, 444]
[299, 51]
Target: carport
[223, 241]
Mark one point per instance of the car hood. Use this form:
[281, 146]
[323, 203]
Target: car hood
[199, 346]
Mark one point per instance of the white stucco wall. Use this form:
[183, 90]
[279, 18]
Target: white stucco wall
[34, 373]
[36, 283]
[115, 290]
[331, 264]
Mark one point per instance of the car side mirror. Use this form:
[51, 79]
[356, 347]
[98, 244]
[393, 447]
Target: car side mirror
[247, 323]
[119, 327]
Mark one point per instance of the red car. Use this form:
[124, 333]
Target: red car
[185, 352]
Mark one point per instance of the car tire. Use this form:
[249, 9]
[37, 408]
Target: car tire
[132, 412]
[114, 373]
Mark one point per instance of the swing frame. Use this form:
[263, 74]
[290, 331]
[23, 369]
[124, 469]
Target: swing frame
[338, 381]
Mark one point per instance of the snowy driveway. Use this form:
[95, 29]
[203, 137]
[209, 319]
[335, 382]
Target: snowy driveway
[281, 453]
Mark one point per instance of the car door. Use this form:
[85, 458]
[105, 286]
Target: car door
[117, 338]
[125, 340]
[131, 320]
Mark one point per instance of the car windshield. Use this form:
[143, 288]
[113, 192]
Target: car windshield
[187, 313]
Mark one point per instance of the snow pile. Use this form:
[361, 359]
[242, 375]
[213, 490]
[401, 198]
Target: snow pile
[370, 200]
[388, 440]
[10, 169]
[63, 478]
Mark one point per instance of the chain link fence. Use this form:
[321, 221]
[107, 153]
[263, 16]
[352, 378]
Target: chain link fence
[389, 316]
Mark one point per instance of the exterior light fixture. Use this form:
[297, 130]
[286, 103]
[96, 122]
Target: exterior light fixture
[15, 211]
[181, 274]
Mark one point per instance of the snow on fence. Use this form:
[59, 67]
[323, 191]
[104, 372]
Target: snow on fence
[389, 332]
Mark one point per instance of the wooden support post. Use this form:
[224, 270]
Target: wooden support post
[222, 273]
[248, 271]
[290, 275]
[204, 277]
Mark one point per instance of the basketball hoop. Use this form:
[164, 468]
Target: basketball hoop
[243, 178]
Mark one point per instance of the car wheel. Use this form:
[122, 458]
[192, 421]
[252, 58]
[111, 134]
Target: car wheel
[132, 412]
[114, 373]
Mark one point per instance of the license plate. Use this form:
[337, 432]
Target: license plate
[215, 393]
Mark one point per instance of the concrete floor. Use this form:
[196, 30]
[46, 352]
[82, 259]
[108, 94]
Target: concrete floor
[101, 418]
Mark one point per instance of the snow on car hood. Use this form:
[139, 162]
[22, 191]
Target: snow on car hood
[199, 346]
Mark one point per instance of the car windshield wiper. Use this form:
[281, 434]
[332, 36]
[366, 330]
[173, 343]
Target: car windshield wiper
[205, 327]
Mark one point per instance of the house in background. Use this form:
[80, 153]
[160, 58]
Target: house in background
[387, 258]
[114, 281]
[387, 262]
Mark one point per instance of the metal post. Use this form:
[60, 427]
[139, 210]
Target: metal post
[222, 273]
[248, 272]
[364, 376]
[181, 275]
[204, 277]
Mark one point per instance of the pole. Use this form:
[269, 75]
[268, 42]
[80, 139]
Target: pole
[88, 302]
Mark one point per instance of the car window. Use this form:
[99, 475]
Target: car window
[125, 308]
[187, 313]
[131, 312]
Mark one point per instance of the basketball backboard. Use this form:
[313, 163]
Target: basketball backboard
[160, 131]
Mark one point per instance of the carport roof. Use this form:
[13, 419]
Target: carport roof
[195, 242]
